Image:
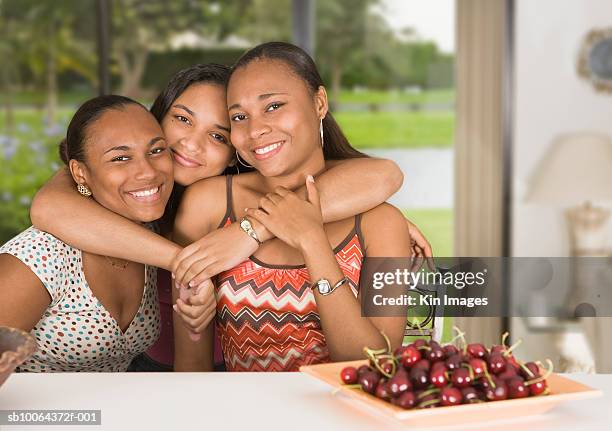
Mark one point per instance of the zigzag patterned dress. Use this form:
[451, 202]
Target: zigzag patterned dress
[267, 316]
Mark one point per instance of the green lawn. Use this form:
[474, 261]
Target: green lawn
[398, 129]
[437, 226]
[395, 96]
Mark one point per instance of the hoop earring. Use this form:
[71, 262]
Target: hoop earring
[84, 190]
[321, 132]
[241, 162]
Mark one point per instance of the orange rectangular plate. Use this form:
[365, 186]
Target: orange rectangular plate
[561, 389]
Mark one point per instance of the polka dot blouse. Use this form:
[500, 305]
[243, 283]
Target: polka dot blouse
[76, 332]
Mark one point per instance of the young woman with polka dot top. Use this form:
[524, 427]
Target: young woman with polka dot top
[92, 312]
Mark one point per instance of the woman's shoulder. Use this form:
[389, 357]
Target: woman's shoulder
[49, 258]
[384, 213]
[37, 242]
[385, 231]
[204, 201]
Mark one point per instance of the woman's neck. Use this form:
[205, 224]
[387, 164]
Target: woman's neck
[291, 181]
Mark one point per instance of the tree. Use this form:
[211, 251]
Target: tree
[341, 26]
[142, 25]
[40, 36]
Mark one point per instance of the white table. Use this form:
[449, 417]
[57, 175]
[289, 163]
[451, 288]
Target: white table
[241, 401]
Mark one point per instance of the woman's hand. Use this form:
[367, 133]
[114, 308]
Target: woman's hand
[218, 251]
[196, 307]
[289, 218]
[421, 249]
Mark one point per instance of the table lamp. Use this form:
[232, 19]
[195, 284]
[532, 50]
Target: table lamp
[574, 172]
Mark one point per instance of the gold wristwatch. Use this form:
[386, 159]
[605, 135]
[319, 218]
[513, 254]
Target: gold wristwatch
[247, 227]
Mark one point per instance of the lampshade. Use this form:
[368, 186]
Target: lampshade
[576, 168]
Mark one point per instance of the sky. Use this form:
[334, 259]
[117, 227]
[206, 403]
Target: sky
[432, 19]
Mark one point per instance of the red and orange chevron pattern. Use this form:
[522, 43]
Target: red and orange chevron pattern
[267, 317]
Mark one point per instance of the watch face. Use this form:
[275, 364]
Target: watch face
[244, 224]
[324, 287]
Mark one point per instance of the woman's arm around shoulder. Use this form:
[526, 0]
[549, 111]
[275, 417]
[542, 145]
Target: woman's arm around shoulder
[83, 223]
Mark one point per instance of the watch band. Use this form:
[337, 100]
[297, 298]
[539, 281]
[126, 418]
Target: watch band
[247, 227]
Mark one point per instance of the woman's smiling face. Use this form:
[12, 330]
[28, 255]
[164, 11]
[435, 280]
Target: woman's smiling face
[274, 117]
[128, 167]
[198, 132]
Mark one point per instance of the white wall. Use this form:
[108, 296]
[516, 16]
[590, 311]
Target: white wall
[550, 99]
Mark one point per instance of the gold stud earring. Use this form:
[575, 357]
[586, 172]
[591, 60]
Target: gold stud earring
[84, 190]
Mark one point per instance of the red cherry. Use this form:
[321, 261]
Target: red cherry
[382, 391]
[399, 383]
[368, 381]
[422, 364]
[438, 375]
[406, 401]
[508, 373]
[399, 351]
[478, 367]
[454, 361]
[471, 394]
[349, 375]
[450, 350]
[362, 369]
[538, 388]
[461, 378]
[450, 396]
[531, 366]
[410, 356]
[497, 363]
[498, 348]
[511, 361]
[497, 393]
[477, 350]
[436, 354]
[517, 388]
[421, 342]
[387, 366]
[419, 378]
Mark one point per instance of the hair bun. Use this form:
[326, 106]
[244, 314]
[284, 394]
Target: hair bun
[63, 151]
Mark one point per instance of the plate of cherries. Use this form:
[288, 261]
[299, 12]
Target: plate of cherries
[429, 384]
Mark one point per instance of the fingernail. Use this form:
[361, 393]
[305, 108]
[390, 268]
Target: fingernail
[175, 307]
[310, 178]
[173, 277]
[191, 283]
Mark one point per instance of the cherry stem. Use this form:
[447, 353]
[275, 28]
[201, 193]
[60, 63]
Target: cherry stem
[418, 325]
[514, 346]
[461, 335]
[428, 392]
[504, 337]
[374, 356]
[488, 376]
[386, 341]
[471, 370]
[527, 370]
[428, 403]
[543, 376]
